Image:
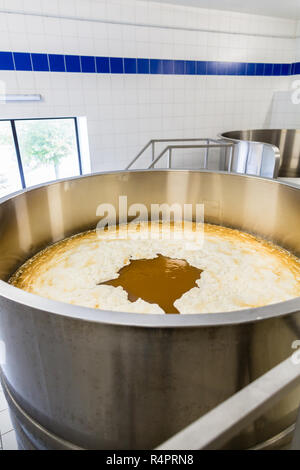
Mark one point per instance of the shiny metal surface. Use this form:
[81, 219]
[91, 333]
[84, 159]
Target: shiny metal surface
[111, 380]
[31, 435]
[267, 152]
[226, 420]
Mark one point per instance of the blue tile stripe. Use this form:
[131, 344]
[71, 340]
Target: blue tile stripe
[26, 61]
[22, 61]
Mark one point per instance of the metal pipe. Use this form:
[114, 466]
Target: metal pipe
[206, 155]
[230, 158]
[185, 147]
[225, 421]
[153, 141]
[170, 158]
[138, 155]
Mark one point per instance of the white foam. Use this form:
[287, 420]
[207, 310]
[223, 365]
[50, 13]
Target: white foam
[239, 271]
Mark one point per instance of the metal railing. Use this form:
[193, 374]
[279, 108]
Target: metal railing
[209, 143]
[218, 426]
[170, 148]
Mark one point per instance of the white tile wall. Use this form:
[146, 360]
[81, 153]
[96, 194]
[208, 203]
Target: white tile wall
[73, 36]
[9, 441]
[124, 112]
[7, 434]
[298, 42]
[283, 112]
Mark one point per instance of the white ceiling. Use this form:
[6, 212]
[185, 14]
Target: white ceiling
[279, 8]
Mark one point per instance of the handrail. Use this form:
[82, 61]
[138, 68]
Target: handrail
[221, 424]
[154, 141]
[139, 154]
[169, 149]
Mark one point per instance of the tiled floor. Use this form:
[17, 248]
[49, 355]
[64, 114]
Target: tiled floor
[7, 434]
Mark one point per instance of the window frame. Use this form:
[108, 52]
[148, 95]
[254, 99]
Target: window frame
[17, 146]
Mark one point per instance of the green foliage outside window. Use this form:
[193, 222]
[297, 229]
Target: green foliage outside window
[46, 143]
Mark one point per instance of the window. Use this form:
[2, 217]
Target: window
[34, 151]
[10, 176]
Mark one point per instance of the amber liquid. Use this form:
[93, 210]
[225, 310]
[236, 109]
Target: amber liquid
[161, 280]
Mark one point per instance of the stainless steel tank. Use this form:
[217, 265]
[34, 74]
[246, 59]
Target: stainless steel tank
[77, 377]
[266, 152]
